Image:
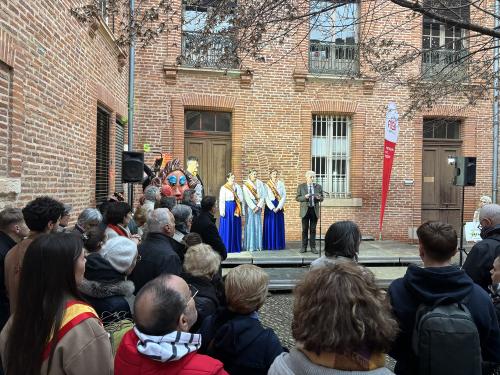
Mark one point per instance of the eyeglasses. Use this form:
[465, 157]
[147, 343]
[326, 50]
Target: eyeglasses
[194, 293]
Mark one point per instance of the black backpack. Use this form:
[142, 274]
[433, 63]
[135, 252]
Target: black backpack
[446, 340]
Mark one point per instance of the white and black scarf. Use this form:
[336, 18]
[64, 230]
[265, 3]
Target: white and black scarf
[170, 347]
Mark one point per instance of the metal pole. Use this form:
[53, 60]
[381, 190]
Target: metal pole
[131, 72]
[461, 248]
[495, 106]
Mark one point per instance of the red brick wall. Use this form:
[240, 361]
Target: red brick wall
[272, 123]
[60, 74]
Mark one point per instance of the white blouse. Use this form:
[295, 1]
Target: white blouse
[250, 200]
[280, 187]
[226, 195]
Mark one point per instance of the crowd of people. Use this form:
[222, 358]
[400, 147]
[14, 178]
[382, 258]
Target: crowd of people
[156, 271]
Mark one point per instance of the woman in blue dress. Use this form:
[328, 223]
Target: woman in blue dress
[254, 195]
[274, 214]
[230, 206]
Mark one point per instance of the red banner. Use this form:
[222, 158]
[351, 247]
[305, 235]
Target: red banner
[391, 137]
[389, 149]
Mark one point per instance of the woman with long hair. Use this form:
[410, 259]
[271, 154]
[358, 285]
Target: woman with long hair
[53, 331]
[342, 242]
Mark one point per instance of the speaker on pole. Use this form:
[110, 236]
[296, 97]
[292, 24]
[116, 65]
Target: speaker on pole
[132, 166]
[465, 171]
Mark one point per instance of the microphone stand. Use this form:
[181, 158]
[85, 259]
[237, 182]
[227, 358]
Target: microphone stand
[320, 242]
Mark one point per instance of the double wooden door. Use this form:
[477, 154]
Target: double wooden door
[440, 198]
[214, 154]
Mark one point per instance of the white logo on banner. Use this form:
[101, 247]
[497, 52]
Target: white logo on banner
[392, 123]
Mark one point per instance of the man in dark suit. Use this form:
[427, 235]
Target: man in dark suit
[309, 194]
[205, 226]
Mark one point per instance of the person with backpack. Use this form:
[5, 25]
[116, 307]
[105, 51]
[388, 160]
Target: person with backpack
[447, 323]
[480, 259]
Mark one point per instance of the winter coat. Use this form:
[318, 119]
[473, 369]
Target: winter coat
[206, 300]
[6, 243]
[297, 363]
[427, 285]
[106, 289]
[84, 350]
[240, 342]
[205, 226]
[129, 361]
[479, 262]
[157, 257]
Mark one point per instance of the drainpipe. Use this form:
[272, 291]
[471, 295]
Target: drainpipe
[131, 71]
[495, 106]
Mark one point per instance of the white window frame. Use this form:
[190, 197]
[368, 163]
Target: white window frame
[334, 145]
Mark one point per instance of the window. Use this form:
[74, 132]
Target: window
[208, 121]
[444, 46]
[119, 140]
[331, 153]
[103, 9]
[441, 128]
[102, 157]
[333, 37]
[213, 48]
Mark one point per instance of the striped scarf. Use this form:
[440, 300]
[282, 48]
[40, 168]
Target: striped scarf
[170, 347]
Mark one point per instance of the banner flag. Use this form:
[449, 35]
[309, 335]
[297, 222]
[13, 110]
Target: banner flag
[390, 140]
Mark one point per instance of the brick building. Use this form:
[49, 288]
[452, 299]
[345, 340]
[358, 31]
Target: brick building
[63, 93]
[298, 108]
[63, 90]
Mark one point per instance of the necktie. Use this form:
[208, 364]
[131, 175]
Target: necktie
[311, 196]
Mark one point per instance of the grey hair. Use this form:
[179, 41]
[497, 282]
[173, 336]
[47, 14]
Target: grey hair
[89, 216]
[182, 213]
[151, 192]
[158, 219]
[492, 212]
[310, 173]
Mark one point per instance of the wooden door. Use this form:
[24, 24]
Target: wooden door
[214, 154]
[440, 198]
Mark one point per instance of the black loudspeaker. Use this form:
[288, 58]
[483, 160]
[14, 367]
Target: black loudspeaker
[465, 171]
[132, 166]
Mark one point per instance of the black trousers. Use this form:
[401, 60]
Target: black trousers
[309, 222]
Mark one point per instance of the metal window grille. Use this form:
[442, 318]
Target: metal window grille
[331, 154]
[102, 157]
[119, 140]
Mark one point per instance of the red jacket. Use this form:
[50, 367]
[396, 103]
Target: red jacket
[129, 361]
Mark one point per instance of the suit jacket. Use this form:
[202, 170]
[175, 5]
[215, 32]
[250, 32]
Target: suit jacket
[205, 226]
[302, 190]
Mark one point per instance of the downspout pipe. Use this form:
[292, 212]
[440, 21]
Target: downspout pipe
[495, 105]
[131, 73]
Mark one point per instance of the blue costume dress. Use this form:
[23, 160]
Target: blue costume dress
[230, 217]
[274, 222]
[254, 196]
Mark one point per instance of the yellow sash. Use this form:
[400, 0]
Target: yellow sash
[252, 190]
[237, 211]
[277, 195]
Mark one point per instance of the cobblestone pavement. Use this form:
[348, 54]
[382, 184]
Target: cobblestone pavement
[277, 314]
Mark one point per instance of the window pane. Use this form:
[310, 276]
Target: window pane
[192, 120]
[195, 18]
[208, 121]
[223, 122]
[440, 130]
[452, 130]
[428, 129]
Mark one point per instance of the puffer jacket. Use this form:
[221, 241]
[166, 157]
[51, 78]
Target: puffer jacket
[107, 290]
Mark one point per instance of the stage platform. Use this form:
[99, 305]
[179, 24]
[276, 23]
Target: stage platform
[371, 253]
[388, 260]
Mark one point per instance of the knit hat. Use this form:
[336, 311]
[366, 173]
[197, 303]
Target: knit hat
[120, 252]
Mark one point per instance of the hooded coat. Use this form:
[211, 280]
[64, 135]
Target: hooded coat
[479, 262]
[426, 286]
[106, 289]
[240, 342]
